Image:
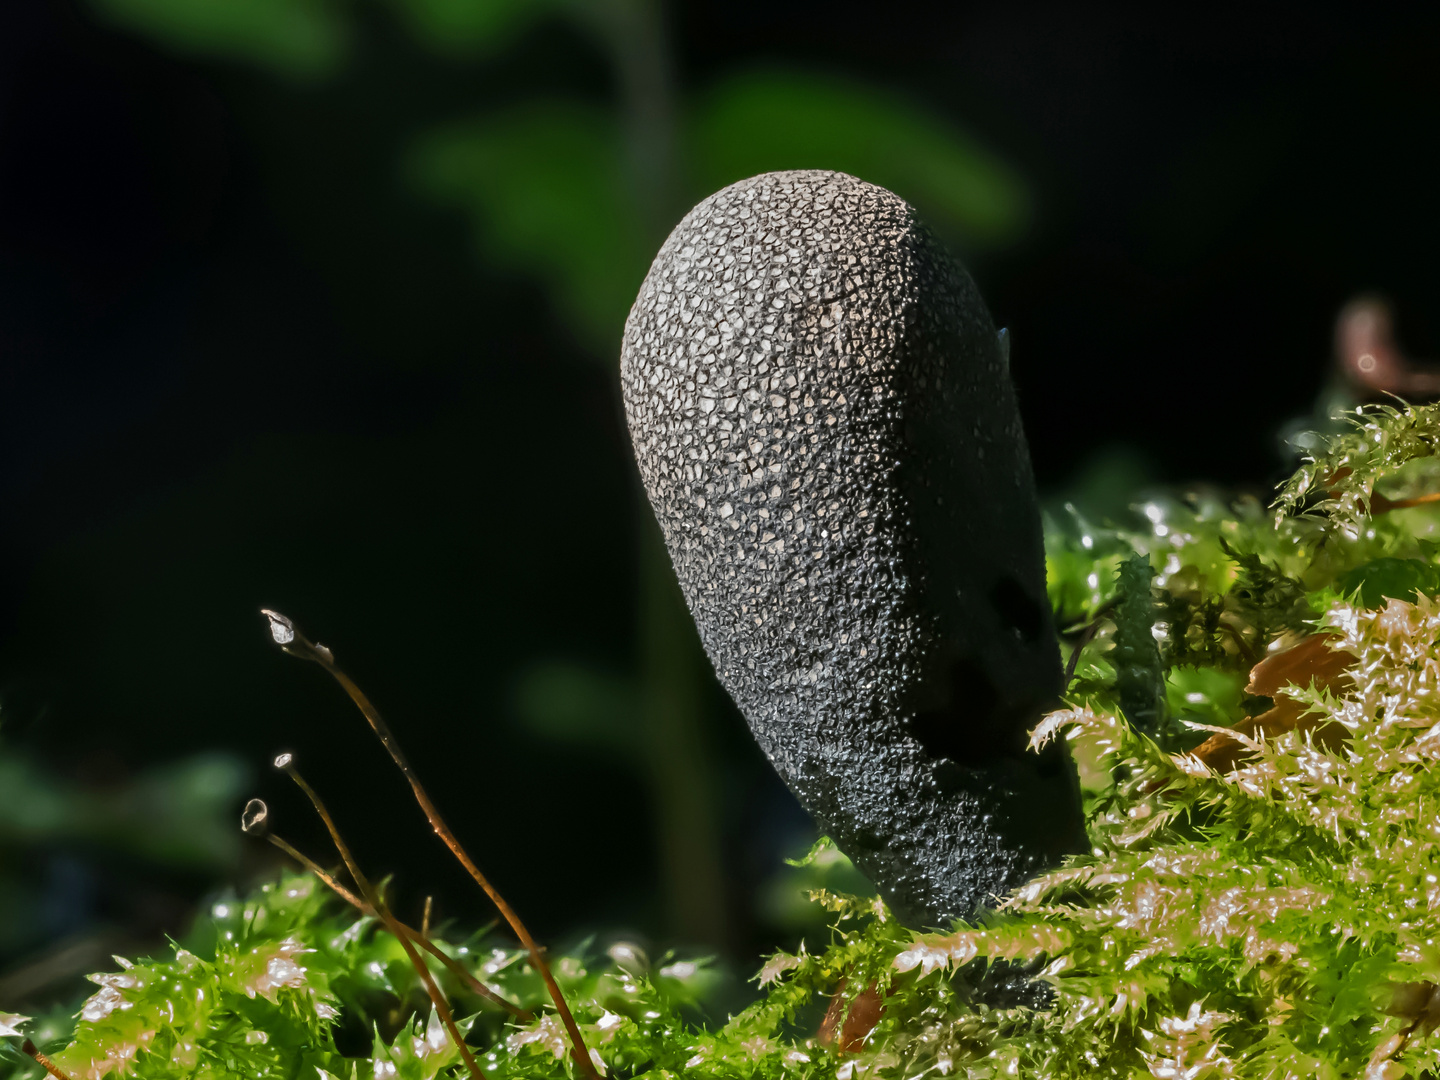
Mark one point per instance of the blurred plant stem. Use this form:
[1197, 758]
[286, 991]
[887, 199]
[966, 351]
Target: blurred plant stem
[677, 754]
[632, 33]
[672, 664]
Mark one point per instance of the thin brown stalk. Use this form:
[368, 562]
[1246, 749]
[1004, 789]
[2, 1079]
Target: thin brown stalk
[296, 644]
[1379, 504]
[421, 938]
[1245, 648]
[285, 762]
[1086, 636]
[43, 1061]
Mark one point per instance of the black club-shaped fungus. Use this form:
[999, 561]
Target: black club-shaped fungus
[825, 424]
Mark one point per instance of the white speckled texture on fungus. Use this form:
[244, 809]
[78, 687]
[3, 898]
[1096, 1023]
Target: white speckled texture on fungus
[824, 421]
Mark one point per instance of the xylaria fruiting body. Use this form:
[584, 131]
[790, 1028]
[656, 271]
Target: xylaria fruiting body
[825, 425]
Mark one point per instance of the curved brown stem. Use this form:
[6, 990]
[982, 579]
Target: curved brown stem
[1379, 504]
[296, 644]
[420, 938]
[43, 1061]
[378, 906]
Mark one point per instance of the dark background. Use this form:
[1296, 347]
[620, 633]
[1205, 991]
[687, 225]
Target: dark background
[245, 362]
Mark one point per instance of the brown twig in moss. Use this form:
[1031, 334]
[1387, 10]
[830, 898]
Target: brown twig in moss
[253, 823]
[1245, 648]
[286, 762]
[1379, 504]
[43, 1061]
[296, 644]
[1087, 635]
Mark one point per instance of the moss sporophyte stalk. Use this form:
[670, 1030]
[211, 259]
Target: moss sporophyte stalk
[1261, 895]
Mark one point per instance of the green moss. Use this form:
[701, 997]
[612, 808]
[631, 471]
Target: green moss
[1139, 674]
[1277, 919]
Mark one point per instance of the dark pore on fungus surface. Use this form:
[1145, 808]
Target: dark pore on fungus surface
[824, 421]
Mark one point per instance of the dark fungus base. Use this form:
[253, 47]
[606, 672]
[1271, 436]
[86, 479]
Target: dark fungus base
[824, 421]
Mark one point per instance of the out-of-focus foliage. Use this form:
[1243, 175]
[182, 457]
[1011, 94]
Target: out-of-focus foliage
[788, 899]
[548, 189]
[576, 704]
[461, 27]
[1398, 579]
[295, 38]
[573, 703]
[554, 187]
[545, 189]
[1271, 916]
[176, 816]
[778, 119]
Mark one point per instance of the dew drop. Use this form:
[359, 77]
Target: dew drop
[281, 628]
[252, 818]
[627, 955]
[284, 760]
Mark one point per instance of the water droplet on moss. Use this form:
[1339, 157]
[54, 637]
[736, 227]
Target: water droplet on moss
[281, 628]
[252, 818]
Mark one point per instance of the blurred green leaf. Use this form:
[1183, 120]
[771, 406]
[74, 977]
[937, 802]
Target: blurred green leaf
[545, 188]
[298, 38]
[764, 121]
[1386, 578]
[178, 814]
[786, 899]
[1206, 695]
[34, 807]
[1107, 486]
[470, 26]
[183, 813]
[573, 703]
